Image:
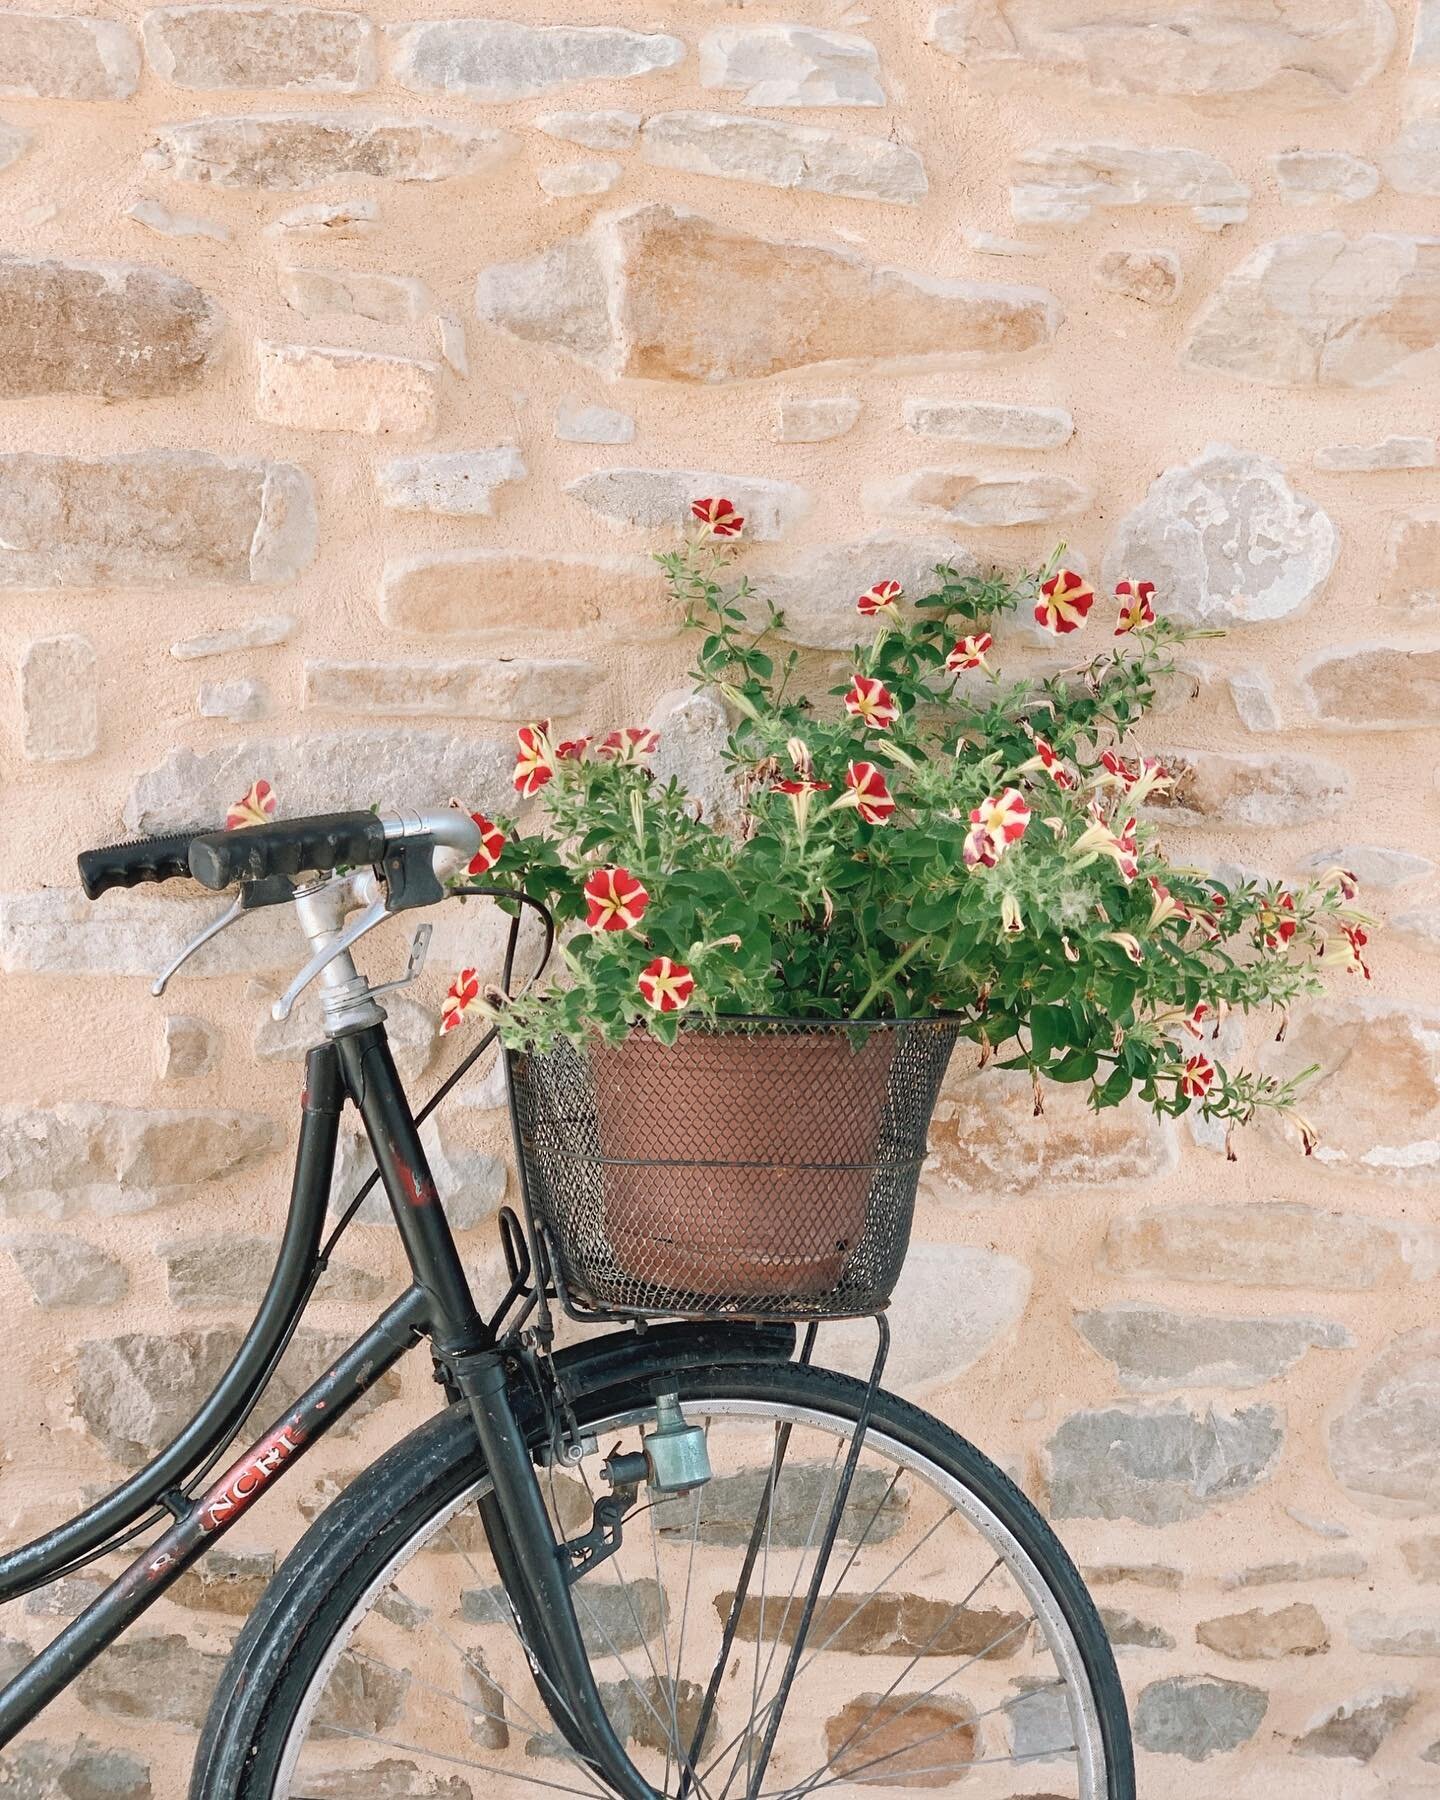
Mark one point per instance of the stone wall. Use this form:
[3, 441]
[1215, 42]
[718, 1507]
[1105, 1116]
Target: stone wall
[351, 363]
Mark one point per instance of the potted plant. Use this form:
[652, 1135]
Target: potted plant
[932, 849]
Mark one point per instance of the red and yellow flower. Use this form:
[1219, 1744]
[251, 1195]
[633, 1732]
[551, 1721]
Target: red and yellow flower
[1164, 905]
[460, 996]
[615, 899]
[666, 986]
[255, 807]
[1137, 608]
[1046, 757]
[1064, 601]
[572, 749]
[1197, 1077]
[1100, 839]
[628, 745]
[718, 517]
[866, 791]
[995, 824]
[1276, 919]
[880, 600]
[492, 842]
[871, 701]
[970, 653]
[535, 764]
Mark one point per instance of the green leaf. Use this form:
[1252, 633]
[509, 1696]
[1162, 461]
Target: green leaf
[1079, 1065]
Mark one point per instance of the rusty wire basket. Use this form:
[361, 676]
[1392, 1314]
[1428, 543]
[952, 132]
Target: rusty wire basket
[761, 1168]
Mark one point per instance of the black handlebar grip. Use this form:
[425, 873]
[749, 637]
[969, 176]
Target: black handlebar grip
[291, 847]
[138, 859]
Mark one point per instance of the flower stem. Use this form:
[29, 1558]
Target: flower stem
[882, 982]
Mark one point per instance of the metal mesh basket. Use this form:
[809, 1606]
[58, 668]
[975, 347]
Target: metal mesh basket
[757, 1168]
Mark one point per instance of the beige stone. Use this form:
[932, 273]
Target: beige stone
[1064, 183]
[1384, 1443]
[1316, 177]
[1310, 54]
[322, 293]
[456, 484]
[955, 496]
[913, 1740]
[993, 424]
[1150, 276]
[1327, 311]
[667, 295]
[1374, 687]
[1238, 788]
[1411, 581]
[1280, 1244]
[261, 46]
[814, 419]
[816, 588]
[500, 688]
[792, 65]
[258, 633]
[661, 499]
[782, 155]
[574, 181]
[468, 593]
[1260, 1636]
[66, 56]
[502, 59]
[117, 331]
[279, 151]
[1389, 453]
[308, 387]
[59, 710]
[151, 519]
[603, 129]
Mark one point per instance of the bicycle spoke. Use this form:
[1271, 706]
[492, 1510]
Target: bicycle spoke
[445, 1756]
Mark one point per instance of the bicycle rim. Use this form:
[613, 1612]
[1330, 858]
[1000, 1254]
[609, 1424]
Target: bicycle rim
[941, 1652]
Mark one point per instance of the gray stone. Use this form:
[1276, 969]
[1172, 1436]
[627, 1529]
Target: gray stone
[1329, 1565]
[111, 331]
[150, 519]
[624, 298]
[1256, 704]
[1412, 162]
[1062, 184]
[1374, 865]
[52, 56]
[65, 1598]
[331, 772]
[456, 484]
[66, 1271]
[242, 701]
[1311, 53]
[814, 418]
[1151, 276]
[155, 217]
[471, 1183]
[957, 496]
[134, 1392]
[579, 423]
[781, 155]
[578, 180]
[1126, 1632]
[1161, 1466]
[1153, 1348]
[1355, 1730]
[660, 499]
[1226, 541]
[792, 65]
[1196, 1716]
[694, 732]
[230, 1582]
[615, 1618]
[161, 1677]
[728, 1506]
[391, 1778]
[56, 931]
[1425, 49]
[117, 1159]
[517, 688]
[41, 1770]
[254, 634]
[261, 46]
[1396, 1634]
[1318, 177]
[223, 1270]
[603, 129]
[279, 151]
[1385, 1442]
[1272, 1243]
[1267, 788]
[14, 1654]
[59, 711]
[352, 293]
[1149, 1575]
[411, 1028]
[816, 589]
[1260, 1636]
[1323, 310]
[1389, 453]
[990, 423]
[502, 59]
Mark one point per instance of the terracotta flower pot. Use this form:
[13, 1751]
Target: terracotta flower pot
[740, 1163]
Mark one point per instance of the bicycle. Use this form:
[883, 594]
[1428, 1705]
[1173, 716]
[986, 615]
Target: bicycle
[864, 1598]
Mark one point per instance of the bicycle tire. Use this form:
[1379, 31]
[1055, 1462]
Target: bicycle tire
[306, 1613]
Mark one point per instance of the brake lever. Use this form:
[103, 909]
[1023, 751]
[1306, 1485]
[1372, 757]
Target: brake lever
[373, 915]
[271, 891]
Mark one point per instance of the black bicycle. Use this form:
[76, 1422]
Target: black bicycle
[674, 1557]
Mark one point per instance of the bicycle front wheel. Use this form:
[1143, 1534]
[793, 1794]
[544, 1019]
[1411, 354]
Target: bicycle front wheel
[953, 1643]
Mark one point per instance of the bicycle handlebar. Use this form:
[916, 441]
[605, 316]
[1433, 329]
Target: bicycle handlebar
[137, 859]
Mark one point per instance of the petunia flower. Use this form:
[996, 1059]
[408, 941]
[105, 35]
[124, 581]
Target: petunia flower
[1136, 608]
[616, 900]
[535, 764]
[256, 807]
[1164, 905]
[1128, 942]
[970, 653]
[1046, 757]
[1101, 839]
[1194, 1020]
[460, 996]
[1011, 918]
[719, 517]
[1197, 1077]
[867, 793]
[1064, 601]
[1146, 776]
[629, 745]
[492, 842]
[665, 985]
[871, 701]
[1350, 957]
[572, 749]
[880, 600]
[1277, 921]
[994, 825]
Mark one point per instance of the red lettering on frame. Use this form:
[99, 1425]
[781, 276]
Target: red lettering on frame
[237, 1488]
